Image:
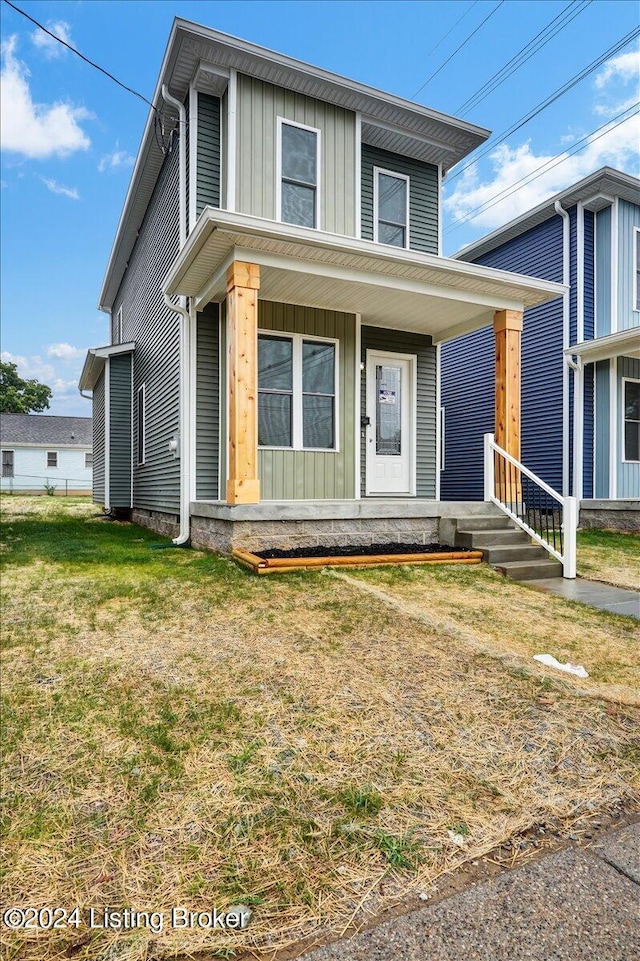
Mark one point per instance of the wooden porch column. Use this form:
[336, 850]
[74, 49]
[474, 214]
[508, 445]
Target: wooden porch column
[243, 283]
[507, 329]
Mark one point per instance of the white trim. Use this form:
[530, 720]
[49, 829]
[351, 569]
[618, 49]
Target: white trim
[280, 122]
[635, 258]
[615, 208]
[22, 445]
[413, 409]
[440, 179]
[141, 428]
[578, 430]
[193, 412]
[358, 174]
[133, 452]
[88, 453]
[580, 272]
[297, 392]
[107, 433]
[232, 135]
[566, 340]
[119, 324]
[193, 156]
[390, 173]
[623, 419]
[613, 427]
[358, 406]
[221, 385]
[621, 343]
[439, 424]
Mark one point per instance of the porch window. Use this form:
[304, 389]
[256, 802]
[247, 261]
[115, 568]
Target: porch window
[141, 415]
[390, 208]
[296, 392]
[299, 161]
[631, 425]
[7, 463]
[52, 458]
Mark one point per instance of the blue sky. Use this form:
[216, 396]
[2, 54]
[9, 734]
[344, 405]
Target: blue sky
[70, 135]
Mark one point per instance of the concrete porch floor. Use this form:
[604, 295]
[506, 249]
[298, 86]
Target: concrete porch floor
[322, 510]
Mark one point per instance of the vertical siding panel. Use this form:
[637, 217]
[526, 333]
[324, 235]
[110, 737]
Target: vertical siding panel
[603, 272]
[120, 431]
[207, 404]
[98, 441]
[208, 172]
[602, 429]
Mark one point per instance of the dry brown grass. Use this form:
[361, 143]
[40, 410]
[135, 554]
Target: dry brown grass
[610, 556]
[180, 732]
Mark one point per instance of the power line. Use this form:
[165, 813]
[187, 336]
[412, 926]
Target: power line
[459, 48]
[549, 165]
[572, 82]
[81, 55]
[566, 16]
[442, 39]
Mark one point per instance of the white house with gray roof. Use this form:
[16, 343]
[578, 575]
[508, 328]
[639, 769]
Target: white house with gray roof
[40, 451]
[277, 296]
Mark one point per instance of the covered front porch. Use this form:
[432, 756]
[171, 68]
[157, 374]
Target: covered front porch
[395, 304]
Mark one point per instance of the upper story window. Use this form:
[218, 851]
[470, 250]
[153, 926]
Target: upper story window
[52, 458]
[636, 265]
[298, 174]
[297, 392]
[390, 208]
[631, 414]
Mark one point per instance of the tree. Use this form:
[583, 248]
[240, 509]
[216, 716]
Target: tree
[19, 396]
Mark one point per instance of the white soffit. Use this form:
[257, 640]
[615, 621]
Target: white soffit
[624, 342]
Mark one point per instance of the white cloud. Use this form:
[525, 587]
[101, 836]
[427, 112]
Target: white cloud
[65, 398]
[65, 351]
[36, 130]
[33, 367]
[50, 47]
[115, 160]
[625, 67]
[57, 188]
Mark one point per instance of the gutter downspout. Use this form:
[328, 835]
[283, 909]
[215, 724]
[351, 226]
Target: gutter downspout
[185, 330]
[566, 336]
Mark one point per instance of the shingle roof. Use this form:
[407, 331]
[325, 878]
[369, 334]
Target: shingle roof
[45, 429]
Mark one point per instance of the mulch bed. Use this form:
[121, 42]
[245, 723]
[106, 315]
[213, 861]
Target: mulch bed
[359, 551]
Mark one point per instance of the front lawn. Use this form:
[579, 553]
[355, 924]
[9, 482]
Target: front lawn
[611, 557]
[179, 732]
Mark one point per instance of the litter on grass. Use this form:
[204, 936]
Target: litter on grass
[550, 661]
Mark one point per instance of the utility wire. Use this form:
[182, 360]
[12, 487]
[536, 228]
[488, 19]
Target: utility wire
[572, 82]
[458, 48]
[81, 55]
[442, 39]
[548, 165]
[566, 16]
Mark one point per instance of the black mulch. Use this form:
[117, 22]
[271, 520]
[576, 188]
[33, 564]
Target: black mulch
[351, 551]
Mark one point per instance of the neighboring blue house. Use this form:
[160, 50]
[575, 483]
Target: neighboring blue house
[580, 353]
[41, 452]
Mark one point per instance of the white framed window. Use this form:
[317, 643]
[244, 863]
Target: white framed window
[88, 459]
[118, 331]
[631, 419]
[141, 421]
[390, 208]
[52, 458]
[297, 391]
[636, 268]
[298, 174]
[8, 461]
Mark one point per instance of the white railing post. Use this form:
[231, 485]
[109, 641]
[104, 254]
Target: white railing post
[489, 480]
[570, 525]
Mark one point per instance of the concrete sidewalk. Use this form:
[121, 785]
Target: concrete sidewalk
[616, 600]
[580, 904]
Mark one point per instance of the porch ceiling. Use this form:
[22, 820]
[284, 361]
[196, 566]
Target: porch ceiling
[401, 289]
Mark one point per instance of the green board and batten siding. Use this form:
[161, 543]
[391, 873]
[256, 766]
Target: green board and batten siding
[98, 441]
[209, 160]
[292, 475]
[207, 403]
[259, 105]
[154, 328]
[403, 342]
[423, 196]
[120, 430]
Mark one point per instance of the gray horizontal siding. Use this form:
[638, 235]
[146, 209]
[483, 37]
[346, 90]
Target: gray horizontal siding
[208, 172]
[98, 441]
[402, 342]
[154, 329]
[207, 403]
[120, 431]
[423, 196]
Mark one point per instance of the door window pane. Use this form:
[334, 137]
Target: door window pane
[317, 421]
[388, 410]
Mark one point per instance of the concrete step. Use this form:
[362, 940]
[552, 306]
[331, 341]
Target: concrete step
[507, 537]
[530, 570]
[485, 522]
[523, 552]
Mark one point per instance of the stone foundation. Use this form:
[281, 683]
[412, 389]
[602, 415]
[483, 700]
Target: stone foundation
[612, 515]
[162, 523]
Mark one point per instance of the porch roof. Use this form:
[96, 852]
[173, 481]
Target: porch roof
[625, 342]
[388, 286]
[95, 360]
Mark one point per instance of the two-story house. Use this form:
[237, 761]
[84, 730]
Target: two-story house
[46, 454]
[580, 353]
[277, 295]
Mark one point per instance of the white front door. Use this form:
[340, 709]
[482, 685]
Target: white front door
[390, 433]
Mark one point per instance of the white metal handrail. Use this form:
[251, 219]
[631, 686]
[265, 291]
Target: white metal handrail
[567, 505]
